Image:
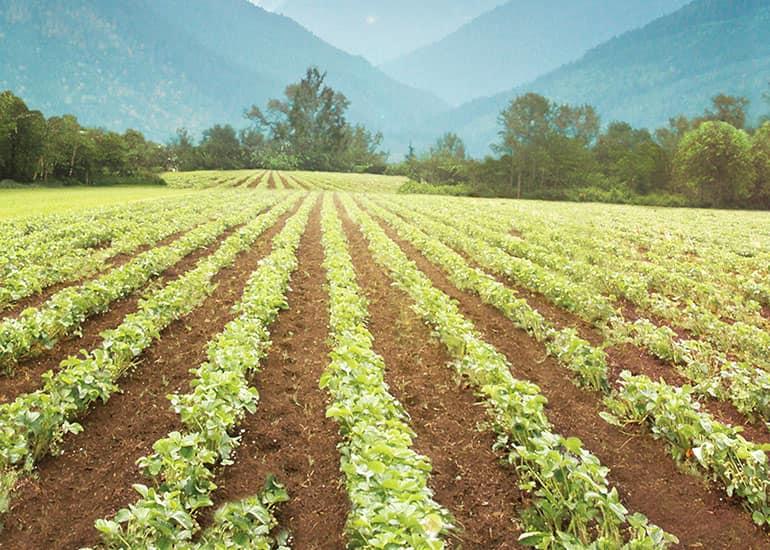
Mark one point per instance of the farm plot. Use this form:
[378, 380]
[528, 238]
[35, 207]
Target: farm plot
[285, 363]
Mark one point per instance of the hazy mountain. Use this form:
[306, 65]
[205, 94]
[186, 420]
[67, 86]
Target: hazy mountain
[381, 30]
[160, 64]
[673, 65]
[519, 41]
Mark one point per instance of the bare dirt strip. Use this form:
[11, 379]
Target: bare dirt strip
[93, 476]
[255, 182]
[467, 476]
[271, 182]
[647, 478]
[296, 181]
[635, 359]
[37, 299]
[628, 356]
[289, 434]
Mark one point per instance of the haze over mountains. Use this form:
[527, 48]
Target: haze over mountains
[519, 41]
[157, 65]
[672, 66]
[163, 64]
[380, 30]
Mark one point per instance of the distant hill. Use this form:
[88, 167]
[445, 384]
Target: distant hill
[382, 30]
[673, 65]
[518, 42]
[156, 65]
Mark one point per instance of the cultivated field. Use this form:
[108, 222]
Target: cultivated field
[269, 359]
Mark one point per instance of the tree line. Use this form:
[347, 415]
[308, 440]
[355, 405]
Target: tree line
[34, 148]
[550, 151]
[306, 130]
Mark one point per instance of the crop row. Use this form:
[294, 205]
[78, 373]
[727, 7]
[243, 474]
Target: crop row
[63, 313]
[387, 481]
[741, 466]
[43, 262]
[713, 374]
[572, 503]
[33, 424]
[655, 281]
[181, 466]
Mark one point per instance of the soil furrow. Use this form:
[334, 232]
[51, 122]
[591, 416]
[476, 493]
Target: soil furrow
[626, 356]
[124, 429]
[26, 376]
[467, 476]
[271, 182]
[288, 185]
[641, 468]
[255, 182]
[289, 434]
[38, 299]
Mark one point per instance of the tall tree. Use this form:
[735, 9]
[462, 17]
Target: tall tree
[310, 121]
[632, 157]
[22, 136]
[220, 148]
[546, 142]
[523, 125]
[714, 166]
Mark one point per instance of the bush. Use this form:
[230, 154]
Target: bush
[137, 179]
[417, 188]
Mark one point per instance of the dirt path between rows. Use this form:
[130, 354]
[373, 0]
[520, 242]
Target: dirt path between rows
[641, 468]
[255, 182]
[467, 477]
[37, 299]
[625, 356]
[289, 435]
[271, 182]
[26, 377]
[291, 185]
[93, 477]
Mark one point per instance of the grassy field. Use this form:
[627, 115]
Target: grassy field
[15, 203]
[330, 364]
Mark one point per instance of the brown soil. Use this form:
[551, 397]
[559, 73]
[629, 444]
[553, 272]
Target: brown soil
[296, 181]
[289, 435]
[641, 467]
[27, 373]
[93, 477]
[630, 357]
[255, 181]
[271, 182]
[765, 312]
[467, 476]
[36, 300]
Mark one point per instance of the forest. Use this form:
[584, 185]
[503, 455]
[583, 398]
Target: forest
[544, 150]
[562, 152]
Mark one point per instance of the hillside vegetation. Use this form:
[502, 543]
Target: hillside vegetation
[518, 42]
[157, 66]
[671, 66]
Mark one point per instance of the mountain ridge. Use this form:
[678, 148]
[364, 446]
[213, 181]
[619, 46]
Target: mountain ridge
[672, 66]
[156, 66]
[479, 58]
